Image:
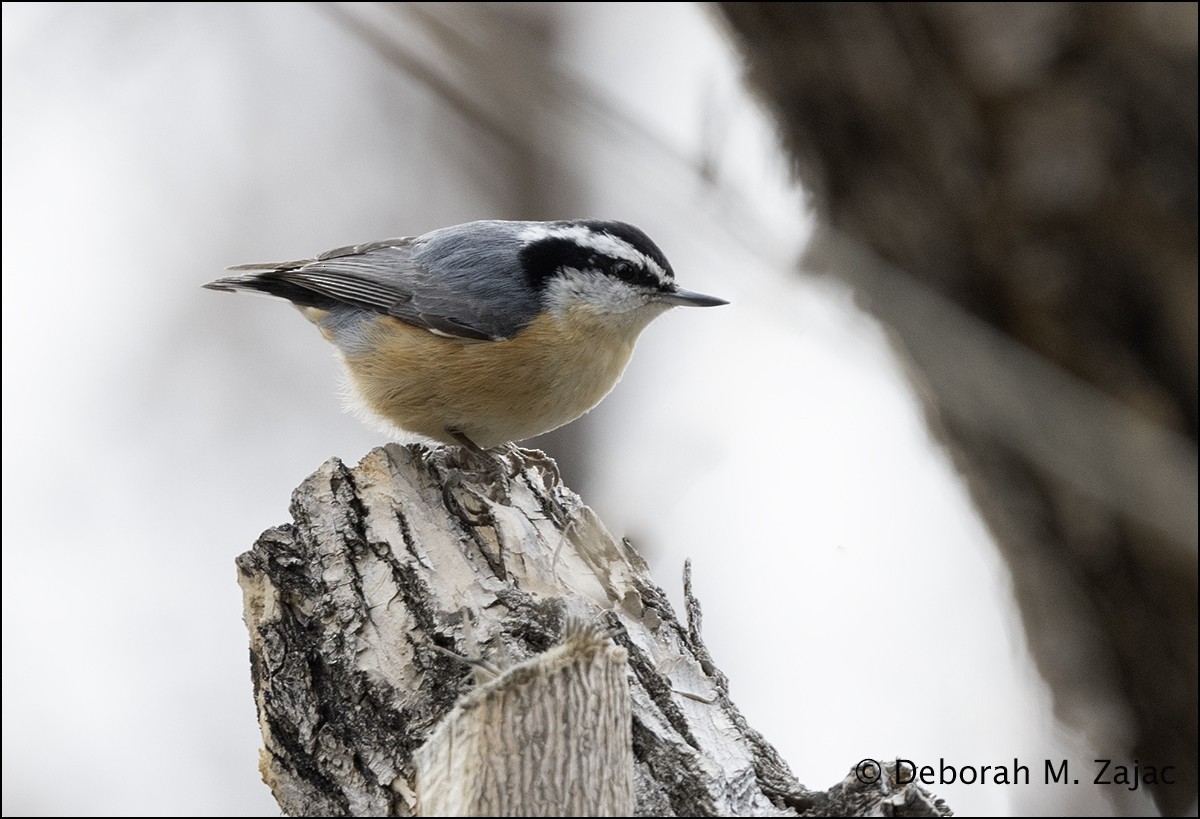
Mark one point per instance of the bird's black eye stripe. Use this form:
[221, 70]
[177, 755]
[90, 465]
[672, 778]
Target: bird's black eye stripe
[542, 259]
[628, 271]
[634, 237]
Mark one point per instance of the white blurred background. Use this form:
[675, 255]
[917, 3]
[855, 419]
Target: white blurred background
[153, 429]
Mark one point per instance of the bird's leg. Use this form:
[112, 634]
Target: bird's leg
[465, 441]
[493, 468]
[488, 458]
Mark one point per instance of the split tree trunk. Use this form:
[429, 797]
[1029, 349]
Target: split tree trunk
[411, 595]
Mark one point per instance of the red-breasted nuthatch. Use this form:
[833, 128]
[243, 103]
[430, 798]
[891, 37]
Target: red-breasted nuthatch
[482, 333]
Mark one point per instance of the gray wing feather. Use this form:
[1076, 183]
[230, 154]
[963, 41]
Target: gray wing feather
[441, 281]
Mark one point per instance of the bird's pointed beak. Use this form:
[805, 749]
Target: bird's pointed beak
[690, 298]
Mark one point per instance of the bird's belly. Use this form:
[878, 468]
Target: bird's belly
[493, 391]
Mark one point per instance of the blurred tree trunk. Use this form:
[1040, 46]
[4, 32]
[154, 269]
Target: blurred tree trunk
[1035, 165]
[398, 576]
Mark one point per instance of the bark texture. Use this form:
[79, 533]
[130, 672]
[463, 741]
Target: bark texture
[548, 737]
[390, 568]
[1025, 179]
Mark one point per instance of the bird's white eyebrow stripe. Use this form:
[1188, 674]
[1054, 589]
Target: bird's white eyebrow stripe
[603, 243]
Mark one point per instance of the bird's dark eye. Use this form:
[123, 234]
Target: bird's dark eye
[623, 270]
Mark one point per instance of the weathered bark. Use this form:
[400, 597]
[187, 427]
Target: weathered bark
[547, 737]
[390, 567]
[1034, 165]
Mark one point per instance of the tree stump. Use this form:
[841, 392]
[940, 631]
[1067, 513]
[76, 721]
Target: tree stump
[415, 586]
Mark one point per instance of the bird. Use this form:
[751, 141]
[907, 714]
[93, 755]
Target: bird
[483, 333]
